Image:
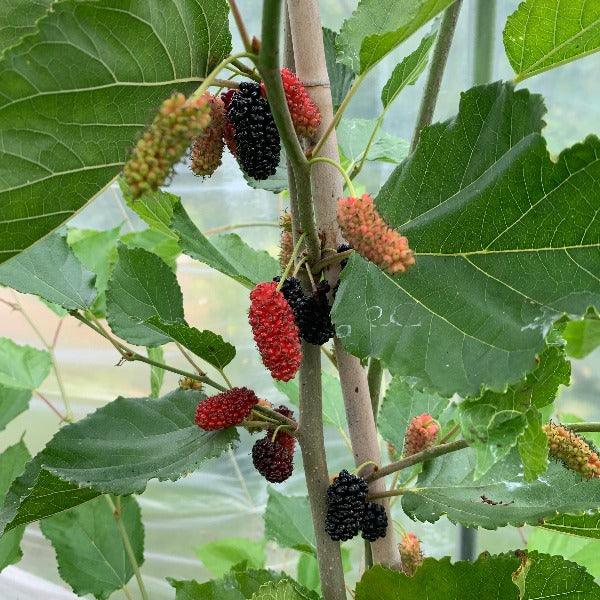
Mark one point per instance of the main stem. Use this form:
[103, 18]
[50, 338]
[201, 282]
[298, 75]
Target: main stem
[483, 43]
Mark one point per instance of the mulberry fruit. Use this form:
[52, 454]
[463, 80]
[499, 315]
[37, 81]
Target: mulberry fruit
[410, 553]
[572, 450]
[371, 237]
[225, 409]
[304, 112]
[176, 124]
[228, 130]
[275, 331]
[257, 144]
[283, 437]
[207, 149]
[420, 434]
[346, 503]
[286, 244]
[272, 459]
[374, 523]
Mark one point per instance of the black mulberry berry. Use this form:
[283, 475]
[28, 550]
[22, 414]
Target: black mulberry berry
[374, 523]
[274, 461]
[346, 502]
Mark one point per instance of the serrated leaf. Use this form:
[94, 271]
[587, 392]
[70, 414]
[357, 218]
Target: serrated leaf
[446, 486]
[376, 27]
[13, 402]
[116, 449]
[583, 336]
[219, 556]
[156, 242]
[22, 367]
[544, 34]
[288, 522]
[225, 253]
[533, 446]
[400, 404]
[205, 344]
[89, 549]
[51, 270]
[18, 18]
[407, 72]
[491, 219]
[74, 97]
[157, 375]
[587, 525]
[340, 76]
[285, 589]
[142, 286]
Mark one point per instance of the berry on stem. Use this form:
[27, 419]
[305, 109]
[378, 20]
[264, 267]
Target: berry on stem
[207, 149]
[410, 553]
[371, 236]
[572, 450]
[421, 434]
[226, 409]
[346, 504]
[272, 459]
[275, 331]
[374, 523]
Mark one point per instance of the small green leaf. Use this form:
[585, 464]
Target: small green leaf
[533, 446]
[22, 367]
[13, 402]
[408, 71]
[587, 525]
[340, 76]
[221, 555]
[307, 572]
[582, 336]
[89, 549]
[207, 345]
[377, 26]
[288, 522]
[225, 253]
[544, 34]
[156, 242]
[142, 286]
[157, 375]
[18, 18]
[285, 589]
[51, 270]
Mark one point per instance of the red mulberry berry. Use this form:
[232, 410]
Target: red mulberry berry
[257, 144]
[274, 461]
[225, 409]
[346, 504]
[410, 553]
[304, 112]
[207, 149]
[371, 236]
[420, 434]
[228, 130]
[163, 144]
[374, 523]
[275, 331]
[283, 437]
[572, 450]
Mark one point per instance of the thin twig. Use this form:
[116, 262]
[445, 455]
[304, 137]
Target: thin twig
[223, 228]
[269, 412]
[388, 493]
[50, 405]
[189, 359]
[331, 260]
[239, 21]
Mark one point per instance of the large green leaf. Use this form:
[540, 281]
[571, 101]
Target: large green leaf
[587, 525]
[492, 221]
[446, 486]
[219, 556]
[76, 94]
[51, 270]
[142, 286]
[543, 34]
[340, 76]
[17, 19]
[286, 589]
[582, 336]
[377, 26]
[13, 402]
[12, 463]
[22, 367]
[90, 552]
[225, 253]
[116, 449]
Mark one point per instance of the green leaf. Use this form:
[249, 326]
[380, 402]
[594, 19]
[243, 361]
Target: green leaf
[285, 589]
[353, 136]
[340, 75]
[12, 403]
[12, 463]
[18, 18]
[221, 555]
[408, 71]
[400, 404]
[89, 549]
[116, 449]
[156, 242]
[533, 446]
[142, 286]
[582, 336]
[74, 96]
[491, 219]
[22, 367]
[587, 525]
[157, 375]
[275, 183]
[377, 26]
[307, 572]
[207, 345]
[446, 486]
[51, 270]
[288, 522]
[544, 34]
[225, 253]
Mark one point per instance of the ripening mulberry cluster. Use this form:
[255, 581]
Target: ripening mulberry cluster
[348, 511]
[572, 450]
[411, 555]
[257, 143]
[207, 148]
[275, 331]
[178, 121]
[226, 409]
[371, 236]
[312, 313]
[421, 434]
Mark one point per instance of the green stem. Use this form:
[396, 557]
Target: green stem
[589, 427]
[450, 434]
[224, 228]
[388, 494]
[291, 262]
[436, 71]
[483, 43]
[247, 71]
[374, 378]
[116, 510]
[333, 163]
[269, 412]
[210, 78]
[331, 260]
[126, 593]
[358, 167]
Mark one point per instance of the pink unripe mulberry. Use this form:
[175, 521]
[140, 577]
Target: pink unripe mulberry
[420, 434]
[572, 450]
[371, 236]
[275, 331]
[207, 149]
[410, 553]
